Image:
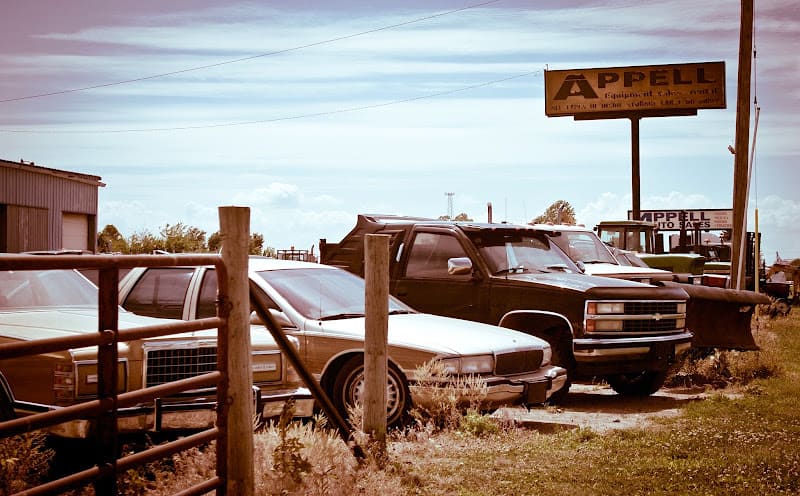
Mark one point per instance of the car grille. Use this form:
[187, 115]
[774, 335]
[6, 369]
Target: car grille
[518, 362]
[664, 325]
[650, 307]
[174, 364]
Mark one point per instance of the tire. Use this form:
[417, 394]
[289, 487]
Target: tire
[348, 389]
[561, 347]
[637, 384]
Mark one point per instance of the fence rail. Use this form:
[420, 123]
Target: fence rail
[109, 402]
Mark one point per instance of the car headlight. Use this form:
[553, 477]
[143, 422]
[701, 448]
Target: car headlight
[476, 364]
[547, 354]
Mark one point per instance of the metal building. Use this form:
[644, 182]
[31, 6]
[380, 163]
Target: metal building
[46, 209]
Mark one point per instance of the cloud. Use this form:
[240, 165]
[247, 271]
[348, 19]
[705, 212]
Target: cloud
[275, 194]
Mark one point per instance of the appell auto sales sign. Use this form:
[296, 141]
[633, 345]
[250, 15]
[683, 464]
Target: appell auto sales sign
[650, 89]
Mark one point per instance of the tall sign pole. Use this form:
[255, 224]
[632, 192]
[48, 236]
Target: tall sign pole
[741, 165]
[635, 176]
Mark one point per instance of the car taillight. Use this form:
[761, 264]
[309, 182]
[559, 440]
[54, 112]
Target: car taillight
[64, 382]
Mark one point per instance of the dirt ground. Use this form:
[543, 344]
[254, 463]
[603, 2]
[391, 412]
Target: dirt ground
[598, 407]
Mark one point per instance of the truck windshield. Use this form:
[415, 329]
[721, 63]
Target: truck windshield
[324, 293]
[584, 247]
[519, 251]
[45, 288]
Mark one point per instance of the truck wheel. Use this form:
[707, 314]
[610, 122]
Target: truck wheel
[348, 390]
[638, 384]
[561, 346]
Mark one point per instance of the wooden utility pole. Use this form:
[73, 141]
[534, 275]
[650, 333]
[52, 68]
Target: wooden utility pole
[376, 276]
[234, 224]
[741, 165]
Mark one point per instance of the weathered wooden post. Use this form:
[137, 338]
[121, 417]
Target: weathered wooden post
[234, 223]
[376, 276]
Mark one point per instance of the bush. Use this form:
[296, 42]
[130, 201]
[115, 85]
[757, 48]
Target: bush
[24, 461]
[720, 368]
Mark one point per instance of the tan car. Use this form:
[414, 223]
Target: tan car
[323, 307]
[38, 304]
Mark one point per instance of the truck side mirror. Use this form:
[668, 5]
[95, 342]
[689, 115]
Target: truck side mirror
[459, 266]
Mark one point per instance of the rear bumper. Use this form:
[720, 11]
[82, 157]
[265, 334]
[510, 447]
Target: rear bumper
[182, 414]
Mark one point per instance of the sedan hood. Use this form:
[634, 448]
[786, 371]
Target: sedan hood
[440, 335]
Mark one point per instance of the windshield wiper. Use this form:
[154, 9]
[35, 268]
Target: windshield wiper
[511, 270]
[400, 312]
[339, 316]
[560, 267]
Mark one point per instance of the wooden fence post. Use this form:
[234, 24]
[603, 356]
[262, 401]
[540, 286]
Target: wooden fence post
[234, 225]
[376, 275]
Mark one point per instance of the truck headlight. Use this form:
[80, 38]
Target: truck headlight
[604, 308]
[595, 325]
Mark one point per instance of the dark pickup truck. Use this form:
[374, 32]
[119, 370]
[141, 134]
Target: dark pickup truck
[624, 332]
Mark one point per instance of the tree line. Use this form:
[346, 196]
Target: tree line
[172, 238]
[182, 238]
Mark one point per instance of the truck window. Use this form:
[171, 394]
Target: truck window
[612, 236]
[428, 256]
[160, 292]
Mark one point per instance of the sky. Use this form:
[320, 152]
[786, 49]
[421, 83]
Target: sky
[311, 112]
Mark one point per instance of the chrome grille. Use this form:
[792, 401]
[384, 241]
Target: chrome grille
[663, 325]
[650, 307]
[518, 362]
[174, 364]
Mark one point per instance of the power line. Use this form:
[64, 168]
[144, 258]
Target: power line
[277, 119]
[250, 57]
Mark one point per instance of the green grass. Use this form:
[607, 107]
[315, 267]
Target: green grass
[748, 445]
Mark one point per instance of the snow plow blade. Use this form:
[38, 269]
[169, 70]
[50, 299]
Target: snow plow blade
[721, 318]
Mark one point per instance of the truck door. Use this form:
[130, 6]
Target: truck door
[425, 284]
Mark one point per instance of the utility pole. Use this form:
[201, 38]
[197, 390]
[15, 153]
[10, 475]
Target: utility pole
[741, 165]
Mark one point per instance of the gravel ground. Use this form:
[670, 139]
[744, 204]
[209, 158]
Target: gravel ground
[598, 407]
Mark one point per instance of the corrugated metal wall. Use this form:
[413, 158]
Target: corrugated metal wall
[35, 202]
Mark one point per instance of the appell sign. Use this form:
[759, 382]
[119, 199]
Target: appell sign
[650, 89]
[675, 220]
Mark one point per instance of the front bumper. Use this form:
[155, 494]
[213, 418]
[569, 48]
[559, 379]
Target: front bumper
[599, 356]
[184, 413]
[527, 389]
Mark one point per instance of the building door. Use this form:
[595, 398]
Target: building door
[74, 231]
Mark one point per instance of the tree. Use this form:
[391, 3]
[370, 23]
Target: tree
[460, 217]
[256, 243]
[560, 212]
[215, 242]
[144, 242]
[180, 238]
[110, 240]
